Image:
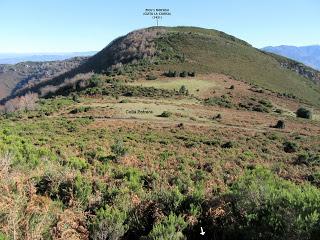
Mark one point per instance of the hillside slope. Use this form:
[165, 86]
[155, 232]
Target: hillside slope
[203, 51]
[157, 145]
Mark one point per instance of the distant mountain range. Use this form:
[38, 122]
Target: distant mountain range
[14, 58]
[309, 55]
[16, 76]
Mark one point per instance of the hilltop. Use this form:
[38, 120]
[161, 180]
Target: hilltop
[201, 50]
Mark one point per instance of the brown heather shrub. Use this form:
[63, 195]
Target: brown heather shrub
[71, 225]
[24, 215]
[5, 162]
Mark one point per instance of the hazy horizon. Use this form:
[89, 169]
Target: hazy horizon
[44, 53]
[90, 51]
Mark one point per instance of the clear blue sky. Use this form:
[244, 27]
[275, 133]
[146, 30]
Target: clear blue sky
[81, 25]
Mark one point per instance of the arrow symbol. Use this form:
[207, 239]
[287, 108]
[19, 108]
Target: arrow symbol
[202, 232]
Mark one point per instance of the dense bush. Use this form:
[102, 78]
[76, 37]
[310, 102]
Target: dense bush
[77, 163]
[118, 149]
[228, 144]
[266, 103]
[151, 77]
[108, 223]
[80, 109]
[315, 179]
[183, 74]
[171, 73]
[183, 90]
[280, 124]
[290, 147]
[169, 200]
[304, 113]
[75, 97]
[256, 105]
[130, 91]
[274, 208]
[165, 114]
[170, 227]
[191, 74]
[23, 153]
[260, 108]
[82, 189]
[308, 158]
[95, 81]
[218, 101]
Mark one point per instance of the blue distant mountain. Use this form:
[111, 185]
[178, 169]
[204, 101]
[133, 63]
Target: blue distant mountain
[309, 55]
[13, 58]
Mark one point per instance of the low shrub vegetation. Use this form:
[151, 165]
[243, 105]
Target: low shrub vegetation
[218, 101]
[182, 74]
[165, 114]
[151, 77]
[275, 207]
[290, 147]
[280, 124]
[118, 149]
[304, 113]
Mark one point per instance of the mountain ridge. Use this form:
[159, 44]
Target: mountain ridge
[15, 76]
[309, 55]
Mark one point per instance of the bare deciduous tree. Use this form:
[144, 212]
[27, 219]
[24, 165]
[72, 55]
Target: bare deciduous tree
[26, 102]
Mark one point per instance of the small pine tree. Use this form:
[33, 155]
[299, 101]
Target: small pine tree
[280, 124]
[183, 89]
[75, 98]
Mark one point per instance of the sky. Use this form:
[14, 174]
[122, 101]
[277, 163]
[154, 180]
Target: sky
[32, 26]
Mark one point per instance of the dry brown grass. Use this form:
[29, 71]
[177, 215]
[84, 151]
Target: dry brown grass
[71, 225]
[24, 215]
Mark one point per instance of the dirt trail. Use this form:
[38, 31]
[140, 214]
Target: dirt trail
[168, 122]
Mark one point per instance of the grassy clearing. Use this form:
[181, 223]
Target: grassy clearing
[195, 86]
